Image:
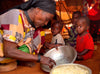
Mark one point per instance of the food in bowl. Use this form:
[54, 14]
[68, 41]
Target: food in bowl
[70, 69]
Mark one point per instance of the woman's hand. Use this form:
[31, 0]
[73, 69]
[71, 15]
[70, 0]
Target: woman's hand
[47, 61]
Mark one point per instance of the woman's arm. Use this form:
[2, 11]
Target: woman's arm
[11, 51]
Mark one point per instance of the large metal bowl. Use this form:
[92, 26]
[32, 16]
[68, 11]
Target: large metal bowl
[64, 55]
[67, 66]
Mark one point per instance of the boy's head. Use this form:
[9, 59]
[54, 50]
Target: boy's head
[82, 24]
[56, 27]
[75, 17]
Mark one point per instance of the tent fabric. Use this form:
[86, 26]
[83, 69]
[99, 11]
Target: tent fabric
[94, 13]
[67, 9]
[70, 5]
[89, 2]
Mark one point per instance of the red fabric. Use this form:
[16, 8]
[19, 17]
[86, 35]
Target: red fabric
[42, 40]
[5, 26]
[36, 31]
[94, 13]
[36, 34]
[85, 42]
[89, 2]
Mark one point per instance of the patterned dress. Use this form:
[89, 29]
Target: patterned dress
[14, 27]
[72, 40]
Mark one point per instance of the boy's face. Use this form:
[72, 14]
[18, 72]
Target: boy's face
[55, 29]
[81, 26]
[75, 18]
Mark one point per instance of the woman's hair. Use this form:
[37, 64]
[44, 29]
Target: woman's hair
[46, 5]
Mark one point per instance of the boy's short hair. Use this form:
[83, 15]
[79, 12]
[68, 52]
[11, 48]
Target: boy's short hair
[76, 12]
[86, 19]
[59, 23]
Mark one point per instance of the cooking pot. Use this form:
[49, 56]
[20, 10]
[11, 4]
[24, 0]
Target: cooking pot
[64, 55]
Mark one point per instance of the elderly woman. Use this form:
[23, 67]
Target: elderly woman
[17, 27]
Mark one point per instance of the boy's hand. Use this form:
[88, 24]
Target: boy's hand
[79, 58]
[50, 46]
[56, 46]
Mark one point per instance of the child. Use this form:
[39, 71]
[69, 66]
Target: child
[85, 45]
[56, 29]
[72, 32]
[57, 38]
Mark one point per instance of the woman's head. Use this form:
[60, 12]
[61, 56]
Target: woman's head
[39, 11]
[45, 5]
[39, 17]
[56, 28]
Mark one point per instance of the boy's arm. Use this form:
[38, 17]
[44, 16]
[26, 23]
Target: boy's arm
[80, 55]
[86, 54]
[50, 46]
[83, 52]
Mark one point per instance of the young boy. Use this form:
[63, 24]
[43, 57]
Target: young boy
[57, 38]
[85, 45]
[56, 29]
[72, 32]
